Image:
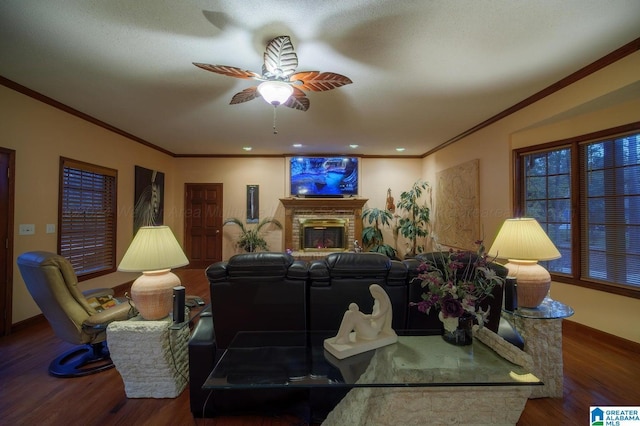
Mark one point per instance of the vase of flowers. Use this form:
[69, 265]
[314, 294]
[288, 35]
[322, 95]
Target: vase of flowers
[455, 283]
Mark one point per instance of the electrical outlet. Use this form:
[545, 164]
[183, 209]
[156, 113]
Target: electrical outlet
[27, 229]
[51, 228]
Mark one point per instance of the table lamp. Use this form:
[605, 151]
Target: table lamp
[523, 242]
[153, 251]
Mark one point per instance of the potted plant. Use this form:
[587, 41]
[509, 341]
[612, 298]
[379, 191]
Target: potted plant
[414, 224]
[372, 238]
[250, 239]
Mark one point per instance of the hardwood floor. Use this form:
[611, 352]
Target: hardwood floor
[599, 370]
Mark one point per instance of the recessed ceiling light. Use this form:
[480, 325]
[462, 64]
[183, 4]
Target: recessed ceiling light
[399, 149]
[297, 145]
[247, 148]
[353, 146]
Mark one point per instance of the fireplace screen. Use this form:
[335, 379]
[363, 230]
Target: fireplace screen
[323, 234]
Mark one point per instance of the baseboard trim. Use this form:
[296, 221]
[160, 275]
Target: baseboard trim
[26, 323]
[589, 333]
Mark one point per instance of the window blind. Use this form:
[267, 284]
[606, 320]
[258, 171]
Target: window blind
[87, 217]
[610, 206]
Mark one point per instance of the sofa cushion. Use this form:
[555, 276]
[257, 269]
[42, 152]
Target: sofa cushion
[348, 264]
[264, 264]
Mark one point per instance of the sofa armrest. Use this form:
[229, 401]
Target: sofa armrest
[202, 357]
[216, 272]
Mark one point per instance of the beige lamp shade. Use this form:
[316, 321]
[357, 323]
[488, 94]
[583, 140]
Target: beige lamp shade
[154, 251]
[523, 242]
[523, 239]
[153, 248]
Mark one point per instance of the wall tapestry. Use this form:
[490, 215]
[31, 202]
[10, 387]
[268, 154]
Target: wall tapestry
[148, 207]
[253, 203]
[458, 206]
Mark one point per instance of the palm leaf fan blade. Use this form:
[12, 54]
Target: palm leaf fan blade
[298, 100]
[228, 70]
[246, 95]
[280, 60]
[320, 81]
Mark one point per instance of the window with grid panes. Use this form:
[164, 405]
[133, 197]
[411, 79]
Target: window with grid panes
[87, 217]
[599, 174]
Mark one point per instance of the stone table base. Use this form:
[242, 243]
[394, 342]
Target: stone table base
[151, 358]
[543, 341]
[430, 406]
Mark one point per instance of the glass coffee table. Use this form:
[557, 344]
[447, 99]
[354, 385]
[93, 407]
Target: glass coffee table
[416, 370]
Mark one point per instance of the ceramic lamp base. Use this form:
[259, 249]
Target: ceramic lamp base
[533, 282]
[152, 293]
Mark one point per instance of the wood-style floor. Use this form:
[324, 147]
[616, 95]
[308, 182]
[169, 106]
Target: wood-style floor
[599, 370]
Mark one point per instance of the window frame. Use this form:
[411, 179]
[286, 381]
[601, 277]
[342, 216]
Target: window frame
[519, 191]
[109, 266]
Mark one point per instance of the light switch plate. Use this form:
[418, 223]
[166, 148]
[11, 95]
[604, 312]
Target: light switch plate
[51, 228]
[27, 229]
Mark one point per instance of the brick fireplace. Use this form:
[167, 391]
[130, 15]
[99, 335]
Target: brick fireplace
[347, 211]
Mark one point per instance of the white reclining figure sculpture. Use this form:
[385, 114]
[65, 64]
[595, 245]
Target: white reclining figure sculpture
[360, 332]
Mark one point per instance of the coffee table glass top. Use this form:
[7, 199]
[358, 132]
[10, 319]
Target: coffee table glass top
[298, 359]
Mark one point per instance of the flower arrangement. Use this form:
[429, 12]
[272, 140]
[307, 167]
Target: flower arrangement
[455, 283]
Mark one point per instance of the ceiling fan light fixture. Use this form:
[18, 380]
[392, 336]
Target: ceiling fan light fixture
[275, 92]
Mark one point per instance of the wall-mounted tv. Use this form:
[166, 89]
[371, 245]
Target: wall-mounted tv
[324, 176]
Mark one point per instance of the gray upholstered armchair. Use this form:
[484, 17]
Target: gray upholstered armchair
[53, 284]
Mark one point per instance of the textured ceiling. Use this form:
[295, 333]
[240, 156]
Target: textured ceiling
[423, 71]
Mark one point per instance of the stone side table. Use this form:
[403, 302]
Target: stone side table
[541, 329]
[151, 356]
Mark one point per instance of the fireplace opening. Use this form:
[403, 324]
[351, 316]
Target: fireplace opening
[323, 234]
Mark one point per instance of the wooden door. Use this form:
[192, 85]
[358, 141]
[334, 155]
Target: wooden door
[7, 166]
[203, 223]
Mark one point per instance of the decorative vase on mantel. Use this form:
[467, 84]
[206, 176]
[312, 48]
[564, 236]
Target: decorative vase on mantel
[457, 330]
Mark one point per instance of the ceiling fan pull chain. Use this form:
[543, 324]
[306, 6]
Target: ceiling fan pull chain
[275, 132]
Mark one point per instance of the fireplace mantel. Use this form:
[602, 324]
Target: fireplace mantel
[324, 206]
[335, 203]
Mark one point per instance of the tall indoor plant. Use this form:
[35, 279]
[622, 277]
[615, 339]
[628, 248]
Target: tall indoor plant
[251, 239]
[372, 238]
[414, 223]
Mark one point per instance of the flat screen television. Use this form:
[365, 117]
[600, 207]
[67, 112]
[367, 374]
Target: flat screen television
[324, 176]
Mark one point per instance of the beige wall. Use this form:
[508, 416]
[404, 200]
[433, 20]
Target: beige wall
[608, 98]
[40, 135]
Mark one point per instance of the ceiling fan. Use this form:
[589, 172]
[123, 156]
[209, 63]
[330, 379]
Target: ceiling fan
[281, 84]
